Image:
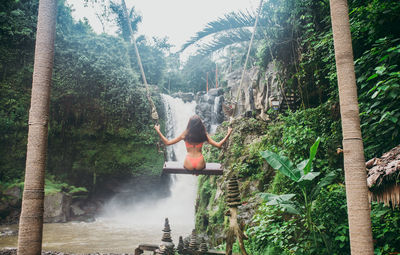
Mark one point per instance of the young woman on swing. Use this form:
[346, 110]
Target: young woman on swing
[194, 136]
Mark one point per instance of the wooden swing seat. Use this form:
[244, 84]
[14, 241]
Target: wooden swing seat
[174, 167]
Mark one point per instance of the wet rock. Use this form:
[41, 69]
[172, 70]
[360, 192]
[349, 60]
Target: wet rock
[13, 216]
[209, 108]
[10, 205]
[8, 251]
[84, 211]
[89, 219]
[14, 196]
[76, 210]
[210, 99]
[3, 206]
[256, 92]
[90, 207]
[57, 207]
[8, 232]
[216, 92]
[186, 97]
[203, 108]
[247, 210]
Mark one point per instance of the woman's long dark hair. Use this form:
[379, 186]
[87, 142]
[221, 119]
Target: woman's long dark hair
[196, 131]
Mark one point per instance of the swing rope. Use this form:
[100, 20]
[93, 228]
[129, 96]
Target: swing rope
[247, 58]
[154, 113]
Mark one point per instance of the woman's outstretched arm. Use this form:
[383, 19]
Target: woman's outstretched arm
[165, 140]
[219, 144]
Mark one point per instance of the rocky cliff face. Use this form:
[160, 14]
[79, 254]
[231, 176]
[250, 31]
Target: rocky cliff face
[258, 92]
[239, 157]
[10, 204]
[209, 106]
[58, 207]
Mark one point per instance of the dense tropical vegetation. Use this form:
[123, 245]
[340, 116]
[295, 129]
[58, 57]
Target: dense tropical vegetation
[100, 126]
[94, 131]
[297, 37]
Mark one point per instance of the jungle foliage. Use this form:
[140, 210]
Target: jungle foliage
[99, 114]
[298, 38]
[100, 127]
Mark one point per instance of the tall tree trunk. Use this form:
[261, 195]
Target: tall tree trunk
[31, 220]
[354, 162]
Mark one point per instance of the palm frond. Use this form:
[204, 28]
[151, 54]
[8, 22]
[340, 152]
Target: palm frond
[226, 39]
[230, 22]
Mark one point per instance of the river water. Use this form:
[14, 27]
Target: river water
[123, 226]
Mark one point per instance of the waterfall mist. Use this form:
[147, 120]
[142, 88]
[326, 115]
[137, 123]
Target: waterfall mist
[179, 207]
[136, 216]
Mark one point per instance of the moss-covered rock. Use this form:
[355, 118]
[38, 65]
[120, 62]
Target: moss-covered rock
[57, 207]
[237, 158]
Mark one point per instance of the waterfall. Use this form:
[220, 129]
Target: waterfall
[184, 187]
[216, 114]
[149, 213]
[127, 222]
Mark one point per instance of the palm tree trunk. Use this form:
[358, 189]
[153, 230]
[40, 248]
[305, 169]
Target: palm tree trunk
[354, 162]
[31, 220]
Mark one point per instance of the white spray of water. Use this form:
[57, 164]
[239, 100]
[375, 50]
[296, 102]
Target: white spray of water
[214, 121]
[179, 207]
[126, 224]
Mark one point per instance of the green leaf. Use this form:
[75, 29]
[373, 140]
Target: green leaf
[280, 163]
[372, 89]
[379, 213]
[383, 58]
[393, 94]
[375, 104]
[313, 152]
[325, 181]
[284, 201]
[273, 197]
[393, 119]
[290, 208]
[340, 238]
[375, 94]
[383, 117]
[380, 69]
[301, 166]
[372, 76]
[308, 177]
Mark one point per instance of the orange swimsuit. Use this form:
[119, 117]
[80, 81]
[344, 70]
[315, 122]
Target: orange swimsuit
[194, 161]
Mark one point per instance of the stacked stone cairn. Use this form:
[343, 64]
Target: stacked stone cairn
[233, 196]
[193, 241]
[203, 245]
[166, 246]
[185, 247]
[181, 246]
[186, 243]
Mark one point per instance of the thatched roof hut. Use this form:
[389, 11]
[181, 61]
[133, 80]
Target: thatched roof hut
[383, 178]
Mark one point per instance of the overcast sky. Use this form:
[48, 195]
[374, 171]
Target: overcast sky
[179, 20]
